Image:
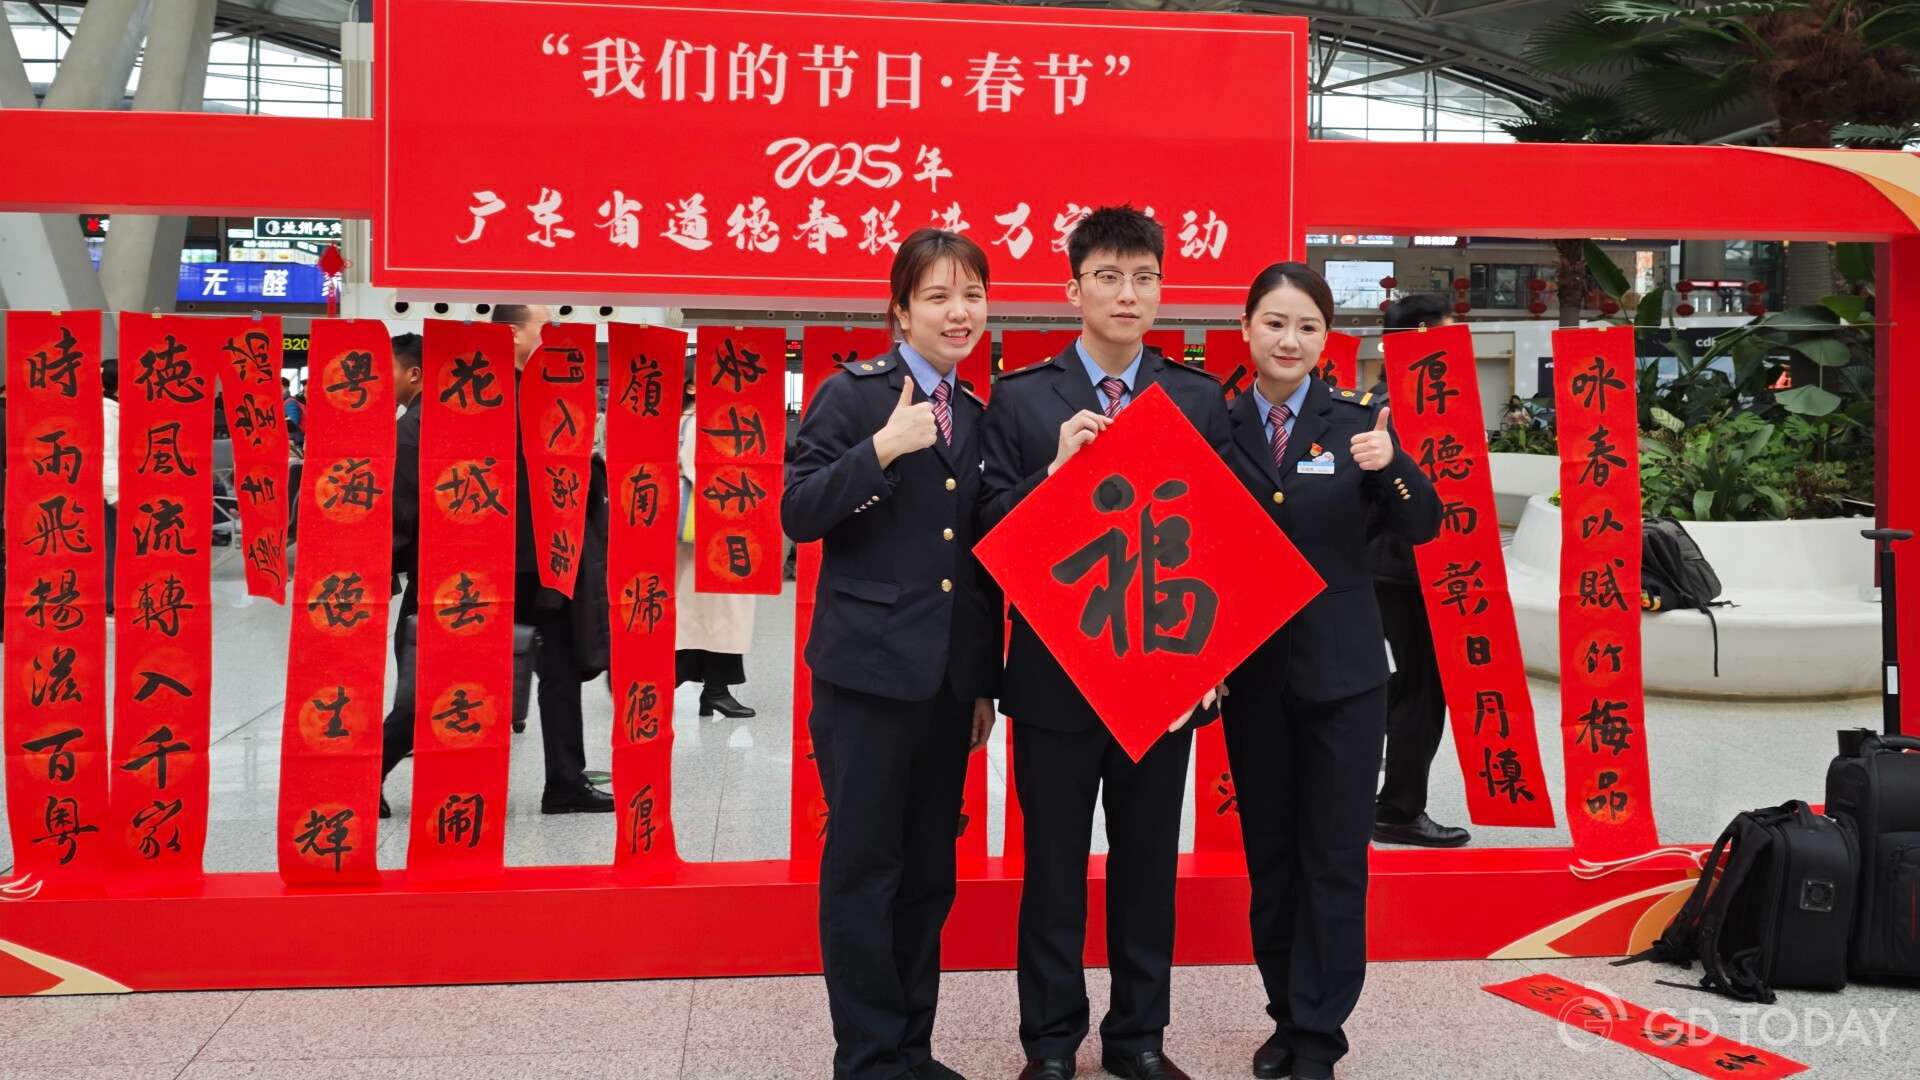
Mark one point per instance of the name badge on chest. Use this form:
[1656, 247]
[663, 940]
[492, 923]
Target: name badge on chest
[1320, 464]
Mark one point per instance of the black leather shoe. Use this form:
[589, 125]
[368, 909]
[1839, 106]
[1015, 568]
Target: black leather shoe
[583, 800]
[1048, 1069]
[519, 726]
[1145, 1065]
[933, 1070]
[1420, 832]
[1274, 1059]
[724, 704]
[385, 810]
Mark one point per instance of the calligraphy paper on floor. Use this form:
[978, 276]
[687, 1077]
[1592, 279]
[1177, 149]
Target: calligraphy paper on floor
[1025, 348]
[56, 611]
[1436, 411]
[330, 732]
[1340, 361]
[646, 370]
[463, 705]
[1602, 703]
[741, 431]
[1228, 357]
[246, 353]
[557, 413]
[1597, 1015]
[1131, 564]
[163, 632]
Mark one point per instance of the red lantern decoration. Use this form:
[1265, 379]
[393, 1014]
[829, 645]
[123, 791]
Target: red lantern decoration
[1682, 310]
[1538, 307]
[332, 263]
[1536, 285]
[1683, 288]
[1462, 307]
[1609, 307]
[1461, 284]
[1756, 287]
[1756, 310]
[1385, 304]
[1389, 282]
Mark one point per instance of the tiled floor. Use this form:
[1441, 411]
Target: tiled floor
[1710, 760]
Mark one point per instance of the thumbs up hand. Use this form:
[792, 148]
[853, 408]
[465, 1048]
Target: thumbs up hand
[909, 428]
[1373, 450]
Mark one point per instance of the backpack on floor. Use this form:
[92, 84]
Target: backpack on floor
[1878, 793]
[1675, 575]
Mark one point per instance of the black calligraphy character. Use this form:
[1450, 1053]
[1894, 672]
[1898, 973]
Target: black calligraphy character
[469, 490]
[164, 374]
[1235, 381]
[1597, 655]
[326, 835]
[251, 352]
[53, 531]
[152, 682]
[59, 683]
[743, 367]
[748, 433]
[1229, 798]
[739, 557]
[1608, 801]
[1457, 517]
[150, 818]
[567, 426]
[351, 482]
[643, 389]
[59, 459]
[356, 371]
[267, 554]
[643, 497]
[467, 609]
[1602, 458]
[460, 820]
[334, 709]
[1479, 650]
[160, 607]
[61, 819]
[61, 370]
[55, 605]
[1106, 604]
[163, 528]
[339, 601]
[560, 552]
[1163, 603]
[1603, 522]
[254, 420]
[258, 489]
[459, 712]
[641, 722]
[640, 826]
[162, 745]
[1490, 705]
[472, 377]
[1605, 724]
[1671, 1036]
[1601, 588]
[1592, 384]
[1550, 992]
[163, 456]
[1504, 775]
[1430, 383]
[563, 486]
[1731, 1062]
[746, 491]
[645, 602]
[573, 366]
[1445, 459]
[1458, 582]
[60, 760]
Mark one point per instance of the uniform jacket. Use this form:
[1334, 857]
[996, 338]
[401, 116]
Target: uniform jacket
[1022, 436]
[902, 603]
[1335, 647]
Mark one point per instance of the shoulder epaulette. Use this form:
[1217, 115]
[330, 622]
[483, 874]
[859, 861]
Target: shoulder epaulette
[1028, 370]
[1195, 369]
[977, 399]
[868, 367]
[1353, 397]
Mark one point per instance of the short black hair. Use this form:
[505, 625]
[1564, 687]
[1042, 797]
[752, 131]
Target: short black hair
[510, 313]
[1119, 229]
[1420, 309]
[410, 348]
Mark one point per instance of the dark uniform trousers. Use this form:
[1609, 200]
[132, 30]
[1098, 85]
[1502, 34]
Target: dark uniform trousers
[1306, 713]
[1416, 702]
[905, 637]
[1064, 759]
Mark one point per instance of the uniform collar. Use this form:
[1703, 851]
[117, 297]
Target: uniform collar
[1095, 373]
[924, 373]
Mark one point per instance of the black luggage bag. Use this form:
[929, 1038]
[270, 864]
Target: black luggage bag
[1878, 790]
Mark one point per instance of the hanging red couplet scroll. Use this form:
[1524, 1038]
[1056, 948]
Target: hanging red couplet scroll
[1228, 357]
[463, 708]
[163, 648]
[1436, 410]
[741, 431]
[1216, 807]
[646, 368]
[1340, 360]
[247, 354]
[557, 406]
[337, 638]
[56, 533]
[1603, 708]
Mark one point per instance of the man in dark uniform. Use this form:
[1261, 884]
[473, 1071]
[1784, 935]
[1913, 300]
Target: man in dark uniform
[1416, 702]
[1063, 754]
[904, 651]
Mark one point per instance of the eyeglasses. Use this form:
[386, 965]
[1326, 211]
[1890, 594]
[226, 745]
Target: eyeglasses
[1146, 282]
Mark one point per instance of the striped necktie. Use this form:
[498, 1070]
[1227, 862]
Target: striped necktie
[1278, 417]
[943, 412]
[1114, 389]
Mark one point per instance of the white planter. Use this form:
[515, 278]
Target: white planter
[1519, 477]
[1803, 621]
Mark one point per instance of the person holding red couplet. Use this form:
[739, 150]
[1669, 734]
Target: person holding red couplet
[904, 650]
[1305, 715]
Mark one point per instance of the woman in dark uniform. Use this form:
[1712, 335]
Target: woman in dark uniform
[1306, 714]
[904, 650]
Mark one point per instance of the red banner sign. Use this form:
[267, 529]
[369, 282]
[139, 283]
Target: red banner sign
[163, 633]
[1602, 702]
[646, 368]
[56, 614]
[1340, 361]
[557, 412]
[1597, 1015]
[829, 132]
[1227, 357]
[247, 353]
[1436, 409]
[337, 640]
[463, 704]
[740, 432]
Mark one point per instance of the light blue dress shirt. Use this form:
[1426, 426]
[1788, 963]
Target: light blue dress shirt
[1095, 373]
[925, 373]
[1293, 403]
